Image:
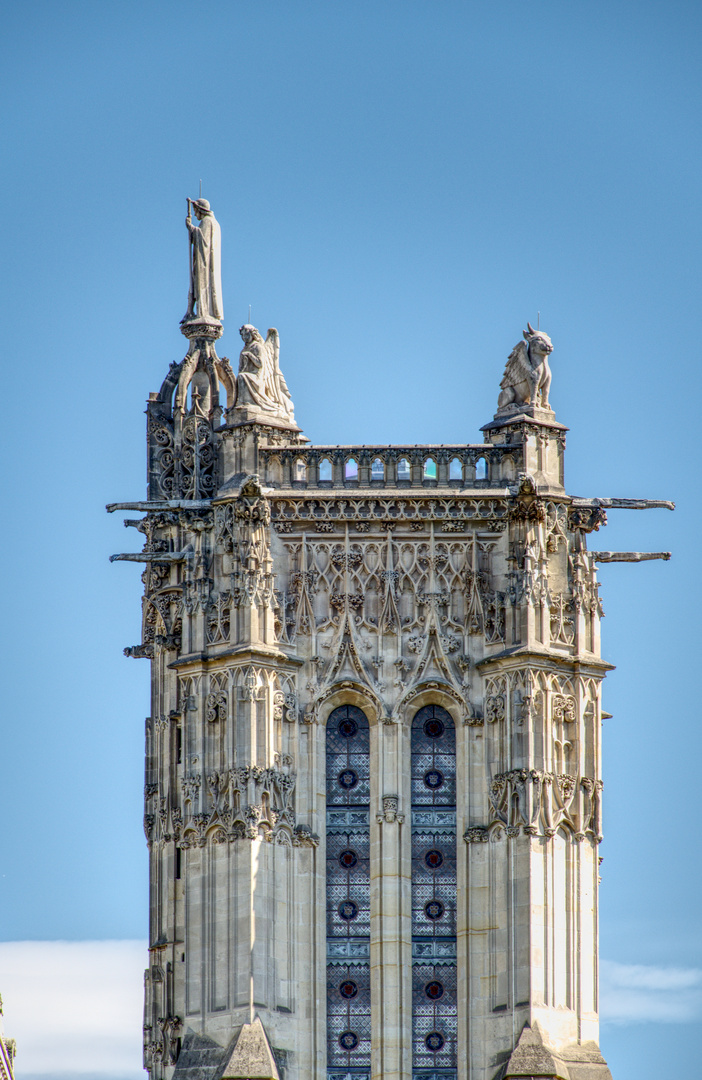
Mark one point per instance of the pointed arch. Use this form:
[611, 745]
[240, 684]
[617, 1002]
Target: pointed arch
[433, 692]
[349, 692]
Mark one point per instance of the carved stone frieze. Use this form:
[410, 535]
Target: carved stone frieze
[382, 509]
[538, 803]
[243, 802]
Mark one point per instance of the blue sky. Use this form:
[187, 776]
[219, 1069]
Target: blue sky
[400, 187]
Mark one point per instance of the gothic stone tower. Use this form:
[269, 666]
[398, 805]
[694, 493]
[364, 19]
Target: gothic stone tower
[373, 760]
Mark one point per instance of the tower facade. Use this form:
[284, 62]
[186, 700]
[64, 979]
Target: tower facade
[373, 756]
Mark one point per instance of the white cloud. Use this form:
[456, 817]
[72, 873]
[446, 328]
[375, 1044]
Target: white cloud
[637, 993]
[74, 1007]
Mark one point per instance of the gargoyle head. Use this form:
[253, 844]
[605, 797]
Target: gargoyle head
[539, 343]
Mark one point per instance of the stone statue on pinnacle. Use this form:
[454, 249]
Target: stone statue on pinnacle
[205, 294]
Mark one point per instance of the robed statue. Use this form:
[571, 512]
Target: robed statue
[205, 295]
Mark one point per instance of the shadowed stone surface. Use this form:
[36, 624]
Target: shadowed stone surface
[199, 1059]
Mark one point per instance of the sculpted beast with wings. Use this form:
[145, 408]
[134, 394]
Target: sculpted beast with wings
[527, 376]
[260, 383]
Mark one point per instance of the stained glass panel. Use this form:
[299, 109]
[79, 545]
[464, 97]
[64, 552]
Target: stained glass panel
[434, 1005]
[348, 895]
[348, 1019]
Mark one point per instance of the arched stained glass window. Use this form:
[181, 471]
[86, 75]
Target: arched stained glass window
[348, 895]
[434, 1003]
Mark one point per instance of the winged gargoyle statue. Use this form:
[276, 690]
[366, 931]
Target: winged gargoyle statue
[527, 376]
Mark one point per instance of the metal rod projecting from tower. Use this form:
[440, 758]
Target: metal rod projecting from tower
[626, 504]
[629, 556]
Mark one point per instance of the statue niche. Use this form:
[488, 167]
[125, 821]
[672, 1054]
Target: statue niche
[261, 391]
[527, 376]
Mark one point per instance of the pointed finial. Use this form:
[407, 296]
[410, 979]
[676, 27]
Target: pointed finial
[200, 195]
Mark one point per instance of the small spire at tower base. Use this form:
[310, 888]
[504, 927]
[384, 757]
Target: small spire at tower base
[252, 1058]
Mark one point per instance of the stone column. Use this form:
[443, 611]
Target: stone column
[391, 947]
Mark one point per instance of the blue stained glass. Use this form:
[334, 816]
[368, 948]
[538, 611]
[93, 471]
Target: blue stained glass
[433, 758]
[348, 895]
[348, 1017]
[348, 758]
[434, 973]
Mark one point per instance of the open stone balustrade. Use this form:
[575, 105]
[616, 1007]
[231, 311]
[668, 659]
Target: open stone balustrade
[340, 467]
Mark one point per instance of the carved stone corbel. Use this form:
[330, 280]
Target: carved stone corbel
[390, 810]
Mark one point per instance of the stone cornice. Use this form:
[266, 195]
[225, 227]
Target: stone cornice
[518, 655]
[246, 654]
[526, 419]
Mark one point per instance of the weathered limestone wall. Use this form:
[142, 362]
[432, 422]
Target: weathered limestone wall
[265, 608]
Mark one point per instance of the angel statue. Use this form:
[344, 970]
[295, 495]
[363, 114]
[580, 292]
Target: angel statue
[260, 383]
[527, 376]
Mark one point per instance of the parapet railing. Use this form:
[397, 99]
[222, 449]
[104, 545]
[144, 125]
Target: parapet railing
[342, 467]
